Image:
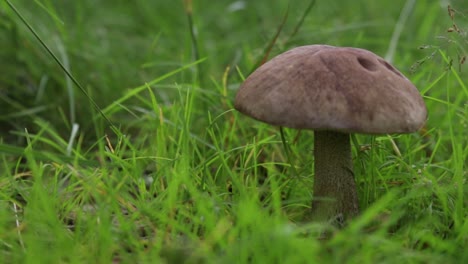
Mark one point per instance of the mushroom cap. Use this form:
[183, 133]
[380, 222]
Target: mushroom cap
[323, 87]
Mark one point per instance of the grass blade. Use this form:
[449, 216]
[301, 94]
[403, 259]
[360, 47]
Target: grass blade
[301, 20]
[268, 49]
[62, 66]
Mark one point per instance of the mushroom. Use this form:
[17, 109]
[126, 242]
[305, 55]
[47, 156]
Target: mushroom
[334, 91]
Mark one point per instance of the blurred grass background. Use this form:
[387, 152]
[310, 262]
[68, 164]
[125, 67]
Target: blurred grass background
[114, 46]
[191, 178]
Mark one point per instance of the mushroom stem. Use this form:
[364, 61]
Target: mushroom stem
[335, 196]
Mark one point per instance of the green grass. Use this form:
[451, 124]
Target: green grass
[184, 177]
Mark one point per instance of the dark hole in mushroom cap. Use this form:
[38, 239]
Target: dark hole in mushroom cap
[367, 64]
[391, 68]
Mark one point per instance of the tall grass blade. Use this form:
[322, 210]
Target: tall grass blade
[51, 53]
[193, 36]
[270, 46]
[301, 20]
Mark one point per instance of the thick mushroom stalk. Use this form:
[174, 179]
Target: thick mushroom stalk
[335, 197]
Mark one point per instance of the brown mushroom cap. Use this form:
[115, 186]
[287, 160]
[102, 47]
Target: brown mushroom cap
[323, 87]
